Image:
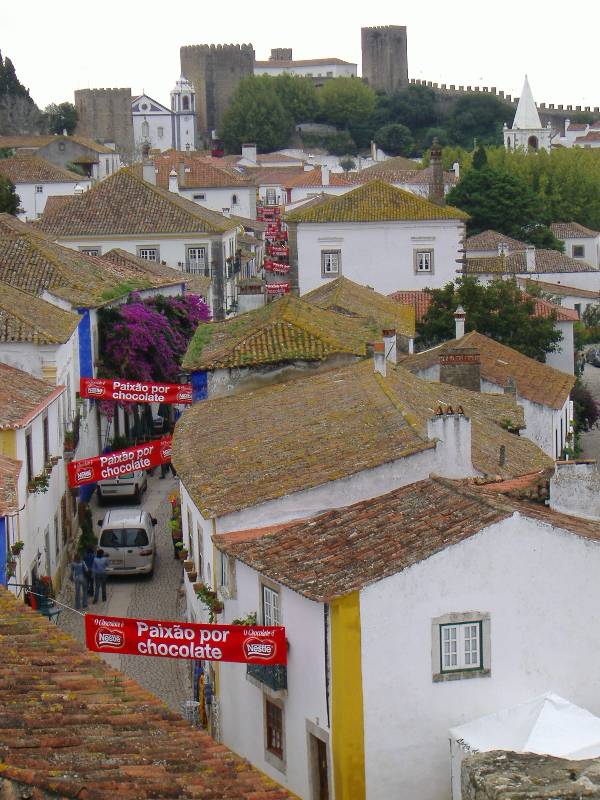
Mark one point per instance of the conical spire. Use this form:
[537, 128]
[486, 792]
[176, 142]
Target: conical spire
[527, 117]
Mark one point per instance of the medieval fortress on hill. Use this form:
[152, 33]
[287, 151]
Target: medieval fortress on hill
[214, 71]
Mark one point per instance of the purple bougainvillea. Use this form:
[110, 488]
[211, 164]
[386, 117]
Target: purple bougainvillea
[146, 339]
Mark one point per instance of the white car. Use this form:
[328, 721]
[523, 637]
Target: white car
[130, 485]
[127, 538]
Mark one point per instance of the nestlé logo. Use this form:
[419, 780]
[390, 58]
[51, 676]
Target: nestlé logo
[84, 474]
[259, 648]
[184, 395]
[97, 391]
[109, 637]
[166, 451]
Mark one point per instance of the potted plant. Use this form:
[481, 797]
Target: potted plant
[192, 575]
[16, 548]
[182, 552]
[188, 565]
[54, 460]
[69, 441]
[11, 567]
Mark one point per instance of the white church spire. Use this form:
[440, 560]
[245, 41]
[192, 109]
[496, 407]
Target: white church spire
[527, 117]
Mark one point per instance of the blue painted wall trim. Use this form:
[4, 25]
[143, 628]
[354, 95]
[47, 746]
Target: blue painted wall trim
[199, 386]
[86, 359]
[3, 551]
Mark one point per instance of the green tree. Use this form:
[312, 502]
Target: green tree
[9, 83]
[298, 97]
[479, 157]
[498, 200]
[499, 310]
[346, 102]
[9, 199]
[256, 114]
[60, 118]
[347, 163]
[341, 144]
[395, 139]
[478, 117]
[441, 134]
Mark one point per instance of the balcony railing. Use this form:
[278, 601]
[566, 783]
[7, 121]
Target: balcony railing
[273, 675]
[197, 268]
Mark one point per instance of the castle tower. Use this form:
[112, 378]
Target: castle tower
[527, 132]
[215, 72]
[384, 58]
[183, 106]
[105, 115]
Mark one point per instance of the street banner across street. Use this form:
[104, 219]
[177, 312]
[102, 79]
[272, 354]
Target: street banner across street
[143, 637]
[119, 462]
[135, 391]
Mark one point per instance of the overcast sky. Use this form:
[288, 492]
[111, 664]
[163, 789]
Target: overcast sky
[69, 44]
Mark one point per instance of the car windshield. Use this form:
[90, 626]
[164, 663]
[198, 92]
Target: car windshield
[124, 537]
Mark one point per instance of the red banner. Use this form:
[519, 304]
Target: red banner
[119, 462]
[144, 637]
[277, 250]
[274, 266]
[275, 288]
[135, 391]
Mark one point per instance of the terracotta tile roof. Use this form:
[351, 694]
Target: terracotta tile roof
[577, 126]
[31, 169]
[9, 488]
[31, 261]
[560, 289]
[35, 142]
[288, 329]
[123, 204]
[277, 158]
[346, 297]
[307, 62]
[249, 224]
[535, 381]
[572, 230]
[74, 727]
[274, 176]
[395, 164]
[591, 136]
[131, 265]
[373, 202]
[419, 299]
[25, 318]
[314, 177]
[198, 172]
[330, 426]
[347, 549]
[22, 395]
[55, 201]
[489, 240]
[544, 308]
[515, 263]
[404, 177]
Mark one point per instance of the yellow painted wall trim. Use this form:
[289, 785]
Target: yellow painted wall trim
[347, 725]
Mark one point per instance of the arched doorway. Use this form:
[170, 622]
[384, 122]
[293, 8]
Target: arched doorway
[532, 143]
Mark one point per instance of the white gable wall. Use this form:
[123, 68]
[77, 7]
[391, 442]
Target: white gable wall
[33, 202]
[240, 200]
[530, 579]
[591, 249]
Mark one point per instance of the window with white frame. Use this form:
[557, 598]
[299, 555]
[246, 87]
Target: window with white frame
[460, 646]
[331, 262]
[91, 251]
[578, 251]
[423, 260]
[148, 253]
[161, 132]
[224, 581]
[196, 259]
[199, 197]
[271, 197]
[270, 606]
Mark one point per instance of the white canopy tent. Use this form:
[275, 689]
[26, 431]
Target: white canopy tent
[548, 725]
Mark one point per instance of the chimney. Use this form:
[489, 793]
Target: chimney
[459, 322]
[148, 171]
[461, 366]
[181, 173]
[452, 430]
[324, 175]
[390, 344]
[503, 249]
[173, 183]
[249, 152]
[373, 150]
[379, 358]
[530, 258]
[456, 169]
[575, 489]
[226, 212]
[436, 186]
[511, 388]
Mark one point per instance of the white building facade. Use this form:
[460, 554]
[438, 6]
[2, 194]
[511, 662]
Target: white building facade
[527, 132]
[162, 128]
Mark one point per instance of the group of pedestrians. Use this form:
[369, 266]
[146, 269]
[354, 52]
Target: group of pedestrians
[88, 573]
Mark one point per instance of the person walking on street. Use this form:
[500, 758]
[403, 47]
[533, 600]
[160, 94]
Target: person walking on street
[88, 560]
[79, 577]
[99, 568]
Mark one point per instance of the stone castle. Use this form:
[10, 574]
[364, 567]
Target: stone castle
[216, 70]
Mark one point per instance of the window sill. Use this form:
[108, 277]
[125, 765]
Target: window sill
[461, 675]
[275, 761]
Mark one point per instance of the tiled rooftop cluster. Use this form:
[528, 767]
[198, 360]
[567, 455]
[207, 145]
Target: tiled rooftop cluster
[71, 726]
[35, 142]
[20, 395]
[197, 171]
[516, 263]
[572, 230]
[31, 169]
[25, 318]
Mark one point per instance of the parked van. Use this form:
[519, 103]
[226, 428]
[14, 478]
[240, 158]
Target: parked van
[127, 538]
[132, 484]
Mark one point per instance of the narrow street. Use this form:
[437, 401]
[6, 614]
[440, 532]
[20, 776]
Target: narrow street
[158, 597]
[591, 439]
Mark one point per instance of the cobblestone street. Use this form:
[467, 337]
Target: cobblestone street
[159, 597]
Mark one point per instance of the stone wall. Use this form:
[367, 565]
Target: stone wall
[527, 776]
[215, 71]
[384, 58]
[105, 115]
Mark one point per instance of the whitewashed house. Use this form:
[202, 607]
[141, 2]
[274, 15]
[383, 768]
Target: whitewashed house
[540, 389]
[32, 433]
[567, 296]
[579, 241]
[162, 128]
[376, 235]
[35, 180]
[98, 161]
[406, 614]
[281, 63]
[492, 243]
